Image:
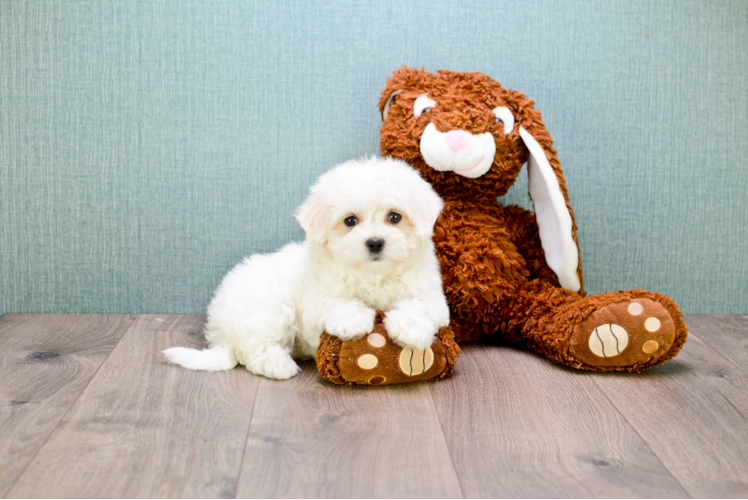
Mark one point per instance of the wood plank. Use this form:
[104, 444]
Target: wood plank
[727, 334]
[518, 425]
[693, 412]
[46, 361]
[143, 428]
[310, 438]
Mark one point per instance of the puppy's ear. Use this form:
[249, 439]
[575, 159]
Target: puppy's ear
[311, 216]
[553, 213]
[426, 206]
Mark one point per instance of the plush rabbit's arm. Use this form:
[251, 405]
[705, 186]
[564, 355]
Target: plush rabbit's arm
[523, 229]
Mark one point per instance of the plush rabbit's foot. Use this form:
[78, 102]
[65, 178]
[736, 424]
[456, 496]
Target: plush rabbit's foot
[637, 333]
[376, 359]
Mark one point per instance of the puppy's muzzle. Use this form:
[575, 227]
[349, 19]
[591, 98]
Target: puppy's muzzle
[375, 245]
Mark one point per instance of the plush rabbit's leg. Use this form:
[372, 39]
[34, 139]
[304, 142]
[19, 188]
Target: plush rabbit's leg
[615, 331]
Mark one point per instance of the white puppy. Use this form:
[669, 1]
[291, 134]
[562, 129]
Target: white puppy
[368, 247]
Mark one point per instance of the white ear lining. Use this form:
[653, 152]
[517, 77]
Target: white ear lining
[388, 103]
[552, 215]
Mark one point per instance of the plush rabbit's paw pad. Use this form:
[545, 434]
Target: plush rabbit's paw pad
[376, 359]
[630, 332]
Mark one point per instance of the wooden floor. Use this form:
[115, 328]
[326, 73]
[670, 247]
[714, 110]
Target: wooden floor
[89, 409]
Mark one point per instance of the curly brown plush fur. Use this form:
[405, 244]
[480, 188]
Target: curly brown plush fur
[494, 269]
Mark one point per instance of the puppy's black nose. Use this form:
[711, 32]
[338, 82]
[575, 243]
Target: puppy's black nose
[375, 245]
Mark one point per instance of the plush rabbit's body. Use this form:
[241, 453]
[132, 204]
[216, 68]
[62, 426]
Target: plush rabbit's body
[508, 272]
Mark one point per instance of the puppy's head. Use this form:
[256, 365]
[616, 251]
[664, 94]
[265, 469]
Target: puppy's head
[371, 215]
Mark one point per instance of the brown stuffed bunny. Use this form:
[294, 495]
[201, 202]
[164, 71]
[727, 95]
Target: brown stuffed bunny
[508, 272]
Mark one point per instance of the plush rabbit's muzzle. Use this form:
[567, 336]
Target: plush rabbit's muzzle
[459, 151]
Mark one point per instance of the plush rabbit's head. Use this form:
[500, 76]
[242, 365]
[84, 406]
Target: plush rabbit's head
[469, 137]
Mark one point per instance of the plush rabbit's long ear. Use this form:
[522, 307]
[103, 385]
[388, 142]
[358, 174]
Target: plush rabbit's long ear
[558, 232]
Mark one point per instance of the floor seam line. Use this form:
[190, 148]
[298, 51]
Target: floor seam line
[246, 439]
[719, 353]
[633, 428]
[132, 323]
[446, 443]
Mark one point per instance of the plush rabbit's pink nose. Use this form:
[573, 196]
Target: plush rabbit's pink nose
[457, 139]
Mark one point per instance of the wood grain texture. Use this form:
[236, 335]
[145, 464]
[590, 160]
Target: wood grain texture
[693, 413]
[80, 417]
[310, 438]
[143, 428]
[728, 335]
[46, 361]
[519, 426]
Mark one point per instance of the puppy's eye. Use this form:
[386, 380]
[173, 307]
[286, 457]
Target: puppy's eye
[394, 217]
[350, 221]
[423, 105]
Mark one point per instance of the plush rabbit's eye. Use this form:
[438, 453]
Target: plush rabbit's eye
[423, 105]
[350, 221]
[504, 116]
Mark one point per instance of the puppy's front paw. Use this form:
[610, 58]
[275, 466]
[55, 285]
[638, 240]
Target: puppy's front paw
[350, 323]
[409, 329]
[274, 363]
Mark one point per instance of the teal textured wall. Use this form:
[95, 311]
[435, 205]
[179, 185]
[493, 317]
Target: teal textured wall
[146, 146]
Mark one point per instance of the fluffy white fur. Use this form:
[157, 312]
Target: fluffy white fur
[272, 308]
